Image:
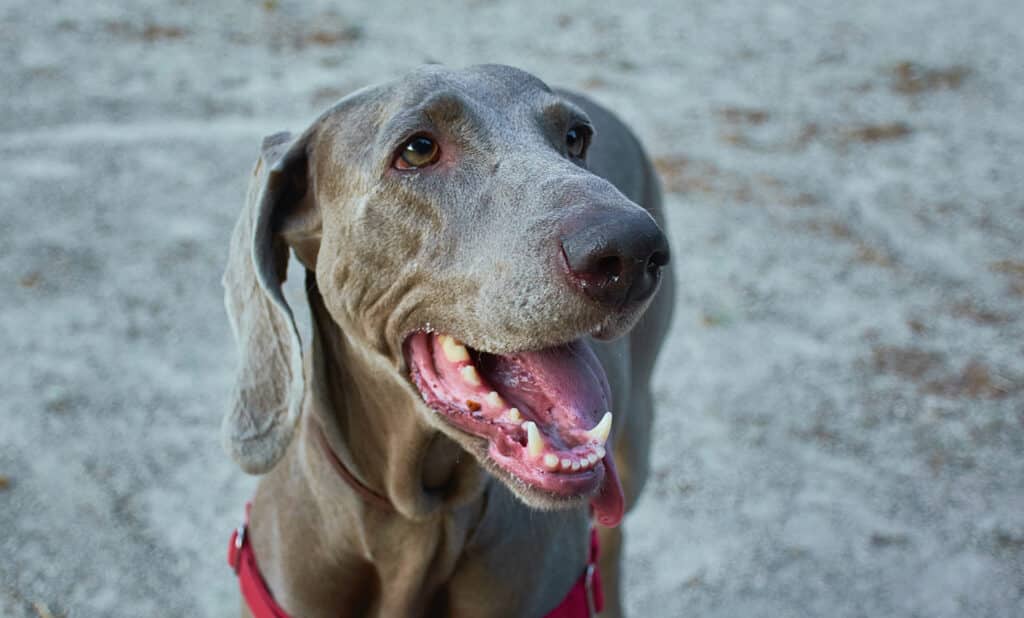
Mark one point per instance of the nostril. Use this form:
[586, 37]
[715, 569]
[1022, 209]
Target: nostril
[609, 267]
[657, 260]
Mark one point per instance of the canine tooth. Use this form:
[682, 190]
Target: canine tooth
[592, 458]
[566, 464]
[600, 452]
[601, 431]
[469, 375]
[494, 400]
[551, 461]
[515, 416]
[453, 350]
[534, 441]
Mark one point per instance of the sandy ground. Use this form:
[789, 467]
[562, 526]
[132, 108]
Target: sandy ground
[841, 427]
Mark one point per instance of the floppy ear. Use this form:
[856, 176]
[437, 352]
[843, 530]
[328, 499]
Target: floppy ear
[268, 392]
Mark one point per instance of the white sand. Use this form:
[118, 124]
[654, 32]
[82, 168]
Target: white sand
[842, 400]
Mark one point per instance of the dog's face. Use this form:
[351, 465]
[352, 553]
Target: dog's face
[447, 207]
[455, 229]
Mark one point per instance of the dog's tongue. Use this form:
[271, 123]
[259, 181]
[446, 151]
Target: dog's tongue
[564, 387]
[565, 391]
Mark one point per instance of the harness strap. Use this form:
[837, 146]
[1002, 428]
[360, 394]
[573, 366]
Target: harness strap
[254, 590]
[584, 600]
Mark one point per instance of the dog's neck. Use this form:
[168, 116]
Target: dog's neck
[311, 528]
[369, 415]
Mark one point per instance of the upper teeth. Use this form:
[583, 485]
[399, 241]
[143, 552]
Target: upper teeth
[469, 375]
[515, 416]
[454, 351]
[601, 431]
[494, 400]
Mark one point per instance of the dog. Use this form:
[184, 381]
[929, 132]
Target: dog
[488, 285]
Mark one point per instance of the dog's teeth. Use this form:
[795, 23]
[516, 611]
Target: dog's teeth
[576, 465]
[470, 376]
[534, 441]
[600, 452]
[494, 400]
[551, 461]
[566, 464]
[515, 416]
[592, 458]
[601, 431]
[454, 351]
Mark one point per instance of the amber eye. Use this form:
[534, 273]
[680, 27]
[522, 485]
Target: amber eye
[576, 141]
[418, 152]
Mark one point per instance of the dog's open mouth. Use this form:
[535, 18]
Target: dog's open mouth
[544, 414]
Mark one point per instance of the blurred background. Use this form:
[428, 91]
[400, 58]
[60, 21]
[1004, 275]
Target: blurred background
[841, 423]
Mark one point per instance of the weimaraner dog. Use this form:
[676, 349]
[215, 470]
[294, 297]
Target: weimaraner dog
[482, 258]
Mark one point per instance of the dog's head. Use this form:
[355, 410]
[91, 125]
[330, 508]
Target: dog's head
[455, 230]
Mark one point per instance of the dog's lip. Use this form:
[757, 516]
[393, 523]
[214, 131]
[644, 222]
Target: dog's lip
[548, 436]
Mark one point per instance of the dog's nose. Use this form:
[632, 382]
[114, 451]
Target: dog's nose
[617, 258]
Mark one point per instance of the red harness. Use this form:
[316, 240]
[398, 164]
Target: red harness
[584, 600]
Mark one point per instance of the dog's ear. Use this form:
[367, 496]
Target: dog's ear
[267, 396]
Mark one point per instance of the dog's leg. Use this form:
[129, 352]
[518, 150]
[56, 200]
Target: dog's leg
[632, 461]
[611, 550]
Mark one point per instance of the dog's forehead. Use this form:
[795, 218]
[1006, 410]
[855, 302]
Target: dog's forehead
[489, 84]
[495, 99]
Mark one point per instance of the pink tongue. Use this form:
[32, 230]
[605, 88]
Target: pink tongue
[609, 504]
[563, 387]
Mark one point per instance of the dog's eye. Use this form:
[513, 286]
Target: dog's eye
[576, 141]
[419, 151]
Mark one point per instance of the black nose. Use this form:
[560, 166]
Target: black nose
[616, 258]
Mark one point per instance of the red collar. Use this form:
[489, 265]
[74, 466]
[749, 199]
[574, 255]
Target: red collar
[360, 488]
[584, 600]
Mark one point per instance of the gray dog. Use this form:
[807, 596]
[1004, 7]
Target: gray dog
[482, 283]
